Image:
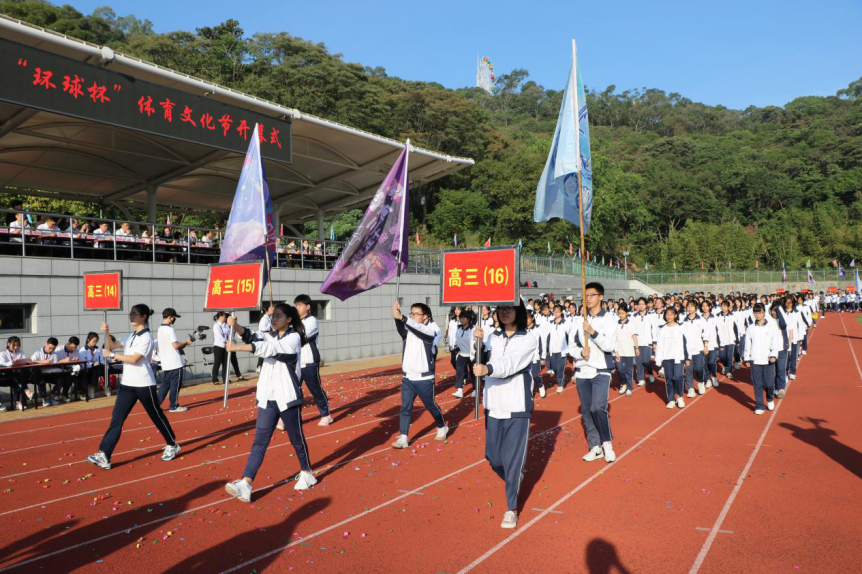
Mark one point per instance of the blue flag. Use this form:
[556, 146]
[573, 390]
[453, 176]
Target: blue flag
[250, 233]
[557, 193]
[841, 274]
[332, 232]
[858, 283]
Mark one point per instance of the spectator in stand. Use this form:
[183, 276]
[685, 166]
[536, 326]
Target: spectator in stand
[103, 240]
[16, 225]
[125, 238]
[48, 232]
[16, 205]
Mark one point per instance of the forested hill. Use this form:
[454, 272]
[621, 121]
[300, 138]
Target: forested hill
[675, 181]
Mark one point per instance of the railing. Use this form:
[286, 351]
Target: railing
[79, 237]
[821, 276]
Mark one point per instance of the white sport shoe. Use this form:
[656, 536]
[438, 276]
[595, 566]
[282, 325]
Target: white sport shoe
[652, 378]
[759, 412]
[239, 489]
[671, 404]
[510, 519]
[780, 394]
[610, 455]
[804, 352]
[280, 424]
[551, 373]
[170, 452]
[708, 384]
[715, 382]
[628, 393]
[594, 454]
[100, 460]
[701, 388]
[542, 392]
[679, 402]
[459, 393]
[179, 409]
[441, 433]
[691, 393]
[325, 421]
[641, 383]
[304, 480]
[559, 389]
[623, 389]
[402, 442]
[770, 405]
[791, 376]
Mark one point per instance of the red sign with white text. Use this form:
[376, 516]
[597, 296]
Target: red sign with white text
[234, 286]
[102, 291]
[480, 276]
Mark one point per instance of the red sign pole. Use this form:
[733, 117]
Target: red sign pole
[234, 286]
[103, 292]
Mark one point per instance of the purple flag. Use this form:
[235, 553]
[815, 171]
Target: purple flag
[370, 259]
[250, 232]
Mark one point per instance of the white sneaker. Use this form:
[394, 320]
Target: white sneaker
[325, 421]
[19, 406]
[2, 408]
[708, 384]
[804, 352]
[771, 405]
[239, 489]
[610, 455]
[759, 412]
[551, 373]
[401, 442]
[623, 389]
[305, 480]
[170, 452]
[729, 375]
[671, 404]
[280, 424]
[641, 383]
[100, 460]
[791, 376]
[459, 394]
[542, 392]
[652, 378]
[559, 389]
[701, 388]
[715, 382]
[179, 409]
[628, 393]
[441, 433]
[510, 519]
[780, 394]
[594, 454]
[691, 393]
[679, 402]
[46, 403]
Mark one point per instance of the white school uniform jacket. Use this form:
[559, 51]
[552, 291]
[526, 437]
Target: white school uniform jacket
[265, 324]
[310, 354]
[450, 333]
[626, 332]
[602, 345]
[656, 321]
[508, 389]
[643, 328]
[62, 353]
[419, 354]
[711, 332]
[762, 342]
[727, 334]
[671, 345]
[464, 342]
[805, 313]
[741, 319]
[221, 331]
[7, 357]
[487, 324]
[41, 355]
[558, 336]
[540, 333]
[695, 334]
[280, 372]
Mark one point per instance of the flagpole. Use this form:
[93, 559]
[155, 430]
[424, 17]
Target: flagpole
[575, 111]
[403, 211]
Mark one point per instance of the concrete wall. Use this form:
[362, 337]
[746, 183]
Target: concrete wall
[564, 285]
[360, 327]
[759, 288]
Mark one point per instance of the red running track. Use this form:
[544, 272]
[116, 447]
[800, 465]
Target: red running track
[709, 488]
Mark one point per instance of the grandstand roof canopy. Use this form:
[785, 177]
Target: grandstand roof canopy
[82, 147]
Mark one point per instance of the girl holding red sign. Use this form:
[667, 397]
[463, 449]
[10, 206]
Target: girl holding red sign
[279, 394]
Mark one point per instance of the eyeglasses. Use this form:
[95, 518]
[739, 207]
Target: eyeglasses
[417, 314]
[591, 295]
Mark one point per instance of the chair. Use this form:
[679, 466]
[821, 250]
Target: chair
[207, 352]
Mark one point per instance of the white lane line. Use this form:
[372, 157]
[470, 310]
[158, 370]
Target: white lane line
[849, 344]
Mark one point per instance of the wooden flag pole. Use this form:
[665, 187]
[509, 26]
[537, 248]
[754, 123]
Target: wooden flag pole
[227, 368]
[477, 384]
[269, 274]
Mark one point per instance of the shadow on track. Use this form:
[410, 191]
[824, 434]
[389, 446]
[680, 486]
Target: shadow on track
[540, 450]
[824, 438]
[251, 543]
[602, 558]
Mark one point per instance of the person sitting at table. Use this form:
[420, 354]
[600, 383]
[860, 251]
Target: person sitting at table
[206, 239]
[306, 254]
[103, 239]
[11, 357]
[94, 368]
[48, 232]
[16, 226]
[165, 238]
[46, 356]
[125, 239]
[68, 380]
[16, 205]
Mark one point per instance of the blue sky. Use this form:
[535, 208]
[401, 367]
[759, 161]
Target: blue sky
[733, 53]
